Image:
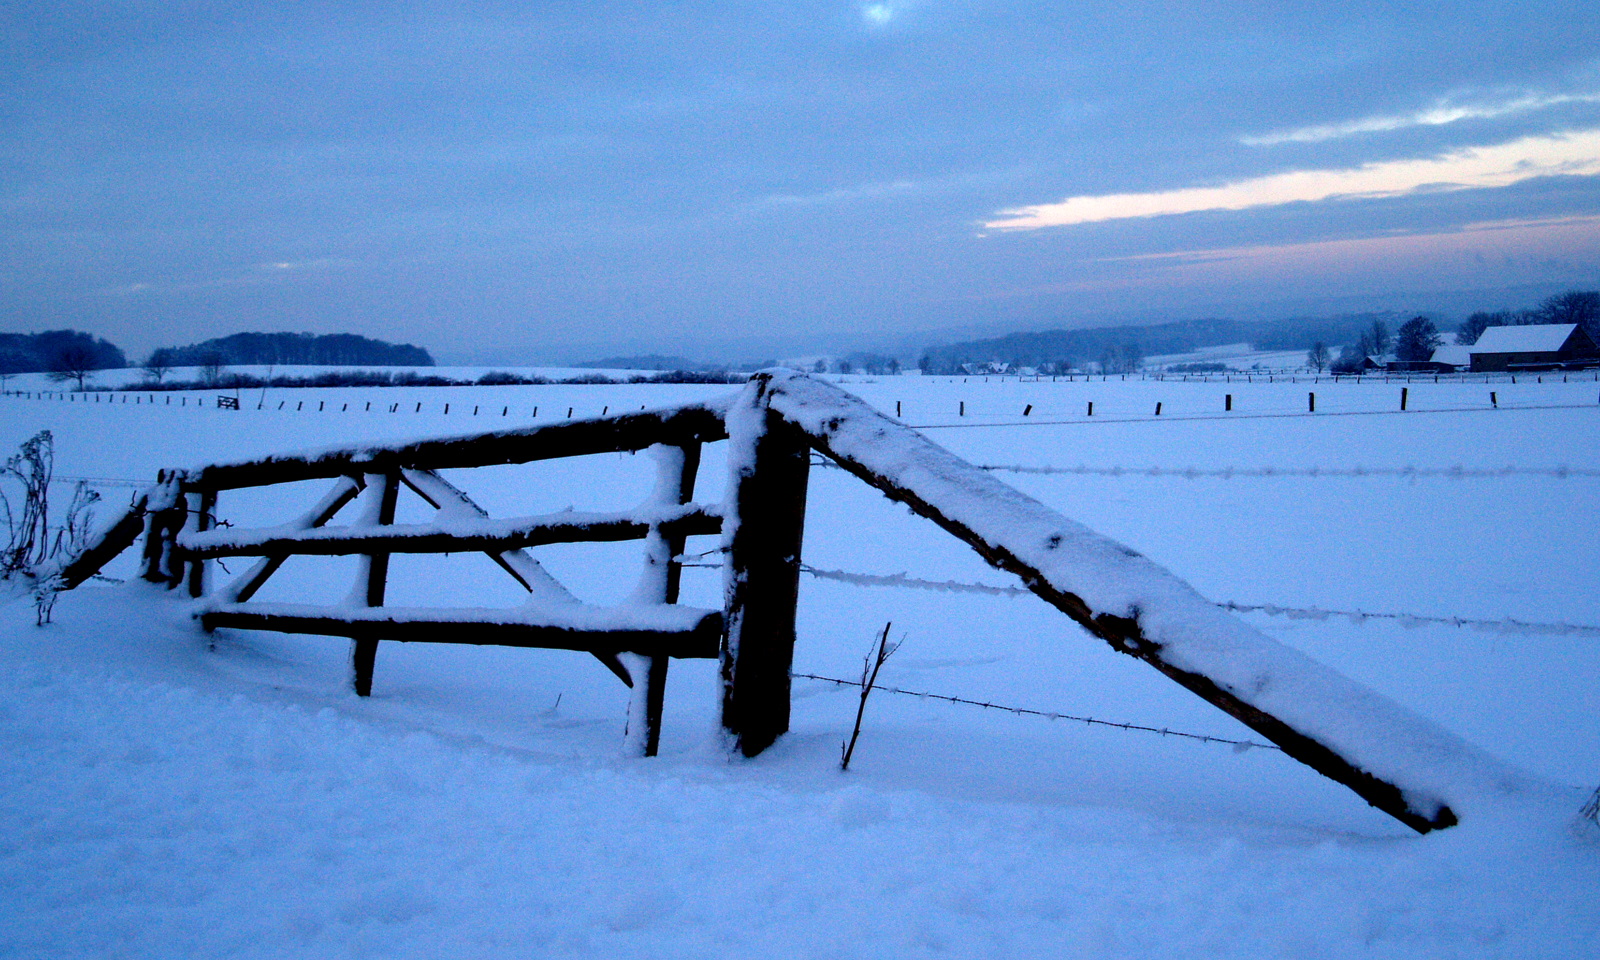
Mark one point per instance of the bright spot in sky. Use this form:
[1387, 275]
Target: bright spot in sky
[877, 14]
[1573, 153]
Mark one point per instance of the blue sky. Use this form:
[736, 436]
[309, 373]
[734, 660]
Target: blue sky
[562, 179]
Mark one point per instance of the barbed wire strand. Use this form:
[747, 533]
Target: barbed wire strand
[1238, 745]
[1509, 625]
[1228, 473]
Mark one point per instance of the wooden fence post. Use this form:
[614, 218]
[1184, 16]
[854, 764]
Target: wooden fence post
[678, 468]
[165, 516]
[771, 460]
[373, 579]
[202, 508]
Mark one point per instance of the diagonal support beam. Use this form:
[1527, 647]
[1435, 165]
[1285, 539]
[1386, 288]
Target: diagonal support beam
[452, 501]
[345, 489]
[1395, 760]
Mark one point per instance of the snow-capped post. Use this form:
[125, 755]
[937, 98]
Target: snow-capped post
[165, 511]
[676, 469]
[373, 579]
[770, 461]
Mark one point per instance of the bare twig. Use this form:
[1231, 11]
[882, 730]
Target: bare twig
[870, 665]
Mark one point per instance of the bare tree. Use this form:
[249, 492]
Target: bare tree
[1575, 306]
[1379, 336]
[212, 363]
[158, 364]
[72, 363]
[1317, 358]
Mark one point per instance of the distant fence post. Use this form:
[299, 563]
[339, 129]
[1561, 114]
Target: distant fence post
[773, 460]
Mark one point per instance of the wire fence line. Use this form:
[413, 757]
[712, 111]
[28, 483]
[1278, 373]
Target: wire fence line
[1506, 626]
[1239, 746]
[1191, 418]
[1458, 472]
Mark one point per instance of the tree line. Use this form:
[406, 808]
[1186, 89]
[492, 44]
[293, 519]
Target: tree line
[73, 356]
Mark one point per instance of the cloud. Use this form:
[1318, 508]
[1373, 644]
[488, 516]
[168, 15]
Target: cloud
[1440, 114]
[1572, 153]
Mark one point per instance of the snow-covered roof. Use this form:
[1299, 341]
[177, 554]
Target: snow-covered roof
[1535, 338]
[1454, 354]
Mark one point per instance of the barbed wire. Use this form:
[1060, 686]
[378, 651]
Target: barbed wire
[1562, 472]
[1506, 626]
[1238, 745]
[102, 481]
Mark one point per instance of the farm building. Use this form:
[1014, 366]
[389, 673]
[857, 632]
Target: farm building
[1537, 346]
[1446, 358]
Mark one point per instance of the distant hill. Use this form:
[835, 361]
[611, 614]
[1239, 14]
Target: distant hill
[298, 349]
[38, 352]
[650, 361]
[1075, 347]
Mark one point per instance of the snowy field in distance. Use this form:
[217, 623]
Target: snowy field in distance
[164, 798]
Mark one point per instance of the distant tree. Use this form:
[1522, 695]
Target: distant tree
[1352, 359]
[1317, 357]
[1125, 358]
[159, 364]
[1416, 339]
[1575, 306]
[1472, 328]
[821, 366]
[1379, 338]
[845, 366]
[894, 366]
[74, 362]
[211, 364]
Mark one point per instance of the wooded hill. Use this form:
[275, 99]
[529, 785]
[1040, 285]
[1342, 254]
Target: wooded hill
[56, 349]
[1069, 347]
[304, 349]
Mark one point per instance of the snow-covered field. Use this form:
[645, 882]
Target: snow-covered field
[168, 794]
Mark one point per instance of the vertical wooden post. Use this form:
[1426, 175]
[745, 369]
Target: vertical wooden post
[771, 461]
[202, 508]
[373, 580]
[679, 467]
[166, 514]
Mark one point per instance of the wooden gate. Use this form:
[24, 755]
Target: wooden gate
[1396, 761]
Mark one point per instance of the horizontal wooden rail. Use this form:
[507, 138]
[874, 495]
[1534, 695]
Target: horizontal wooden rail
[697, 637]
[695, 423]
[456, 536]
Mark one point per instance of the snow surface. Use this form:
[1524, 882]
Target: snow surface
[168, 794]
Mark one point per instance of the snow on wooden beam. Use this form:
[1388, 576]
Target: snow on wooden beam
[113, 539]
[1395, 760]
[668, 631]
[570, 438]
[455, 535]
